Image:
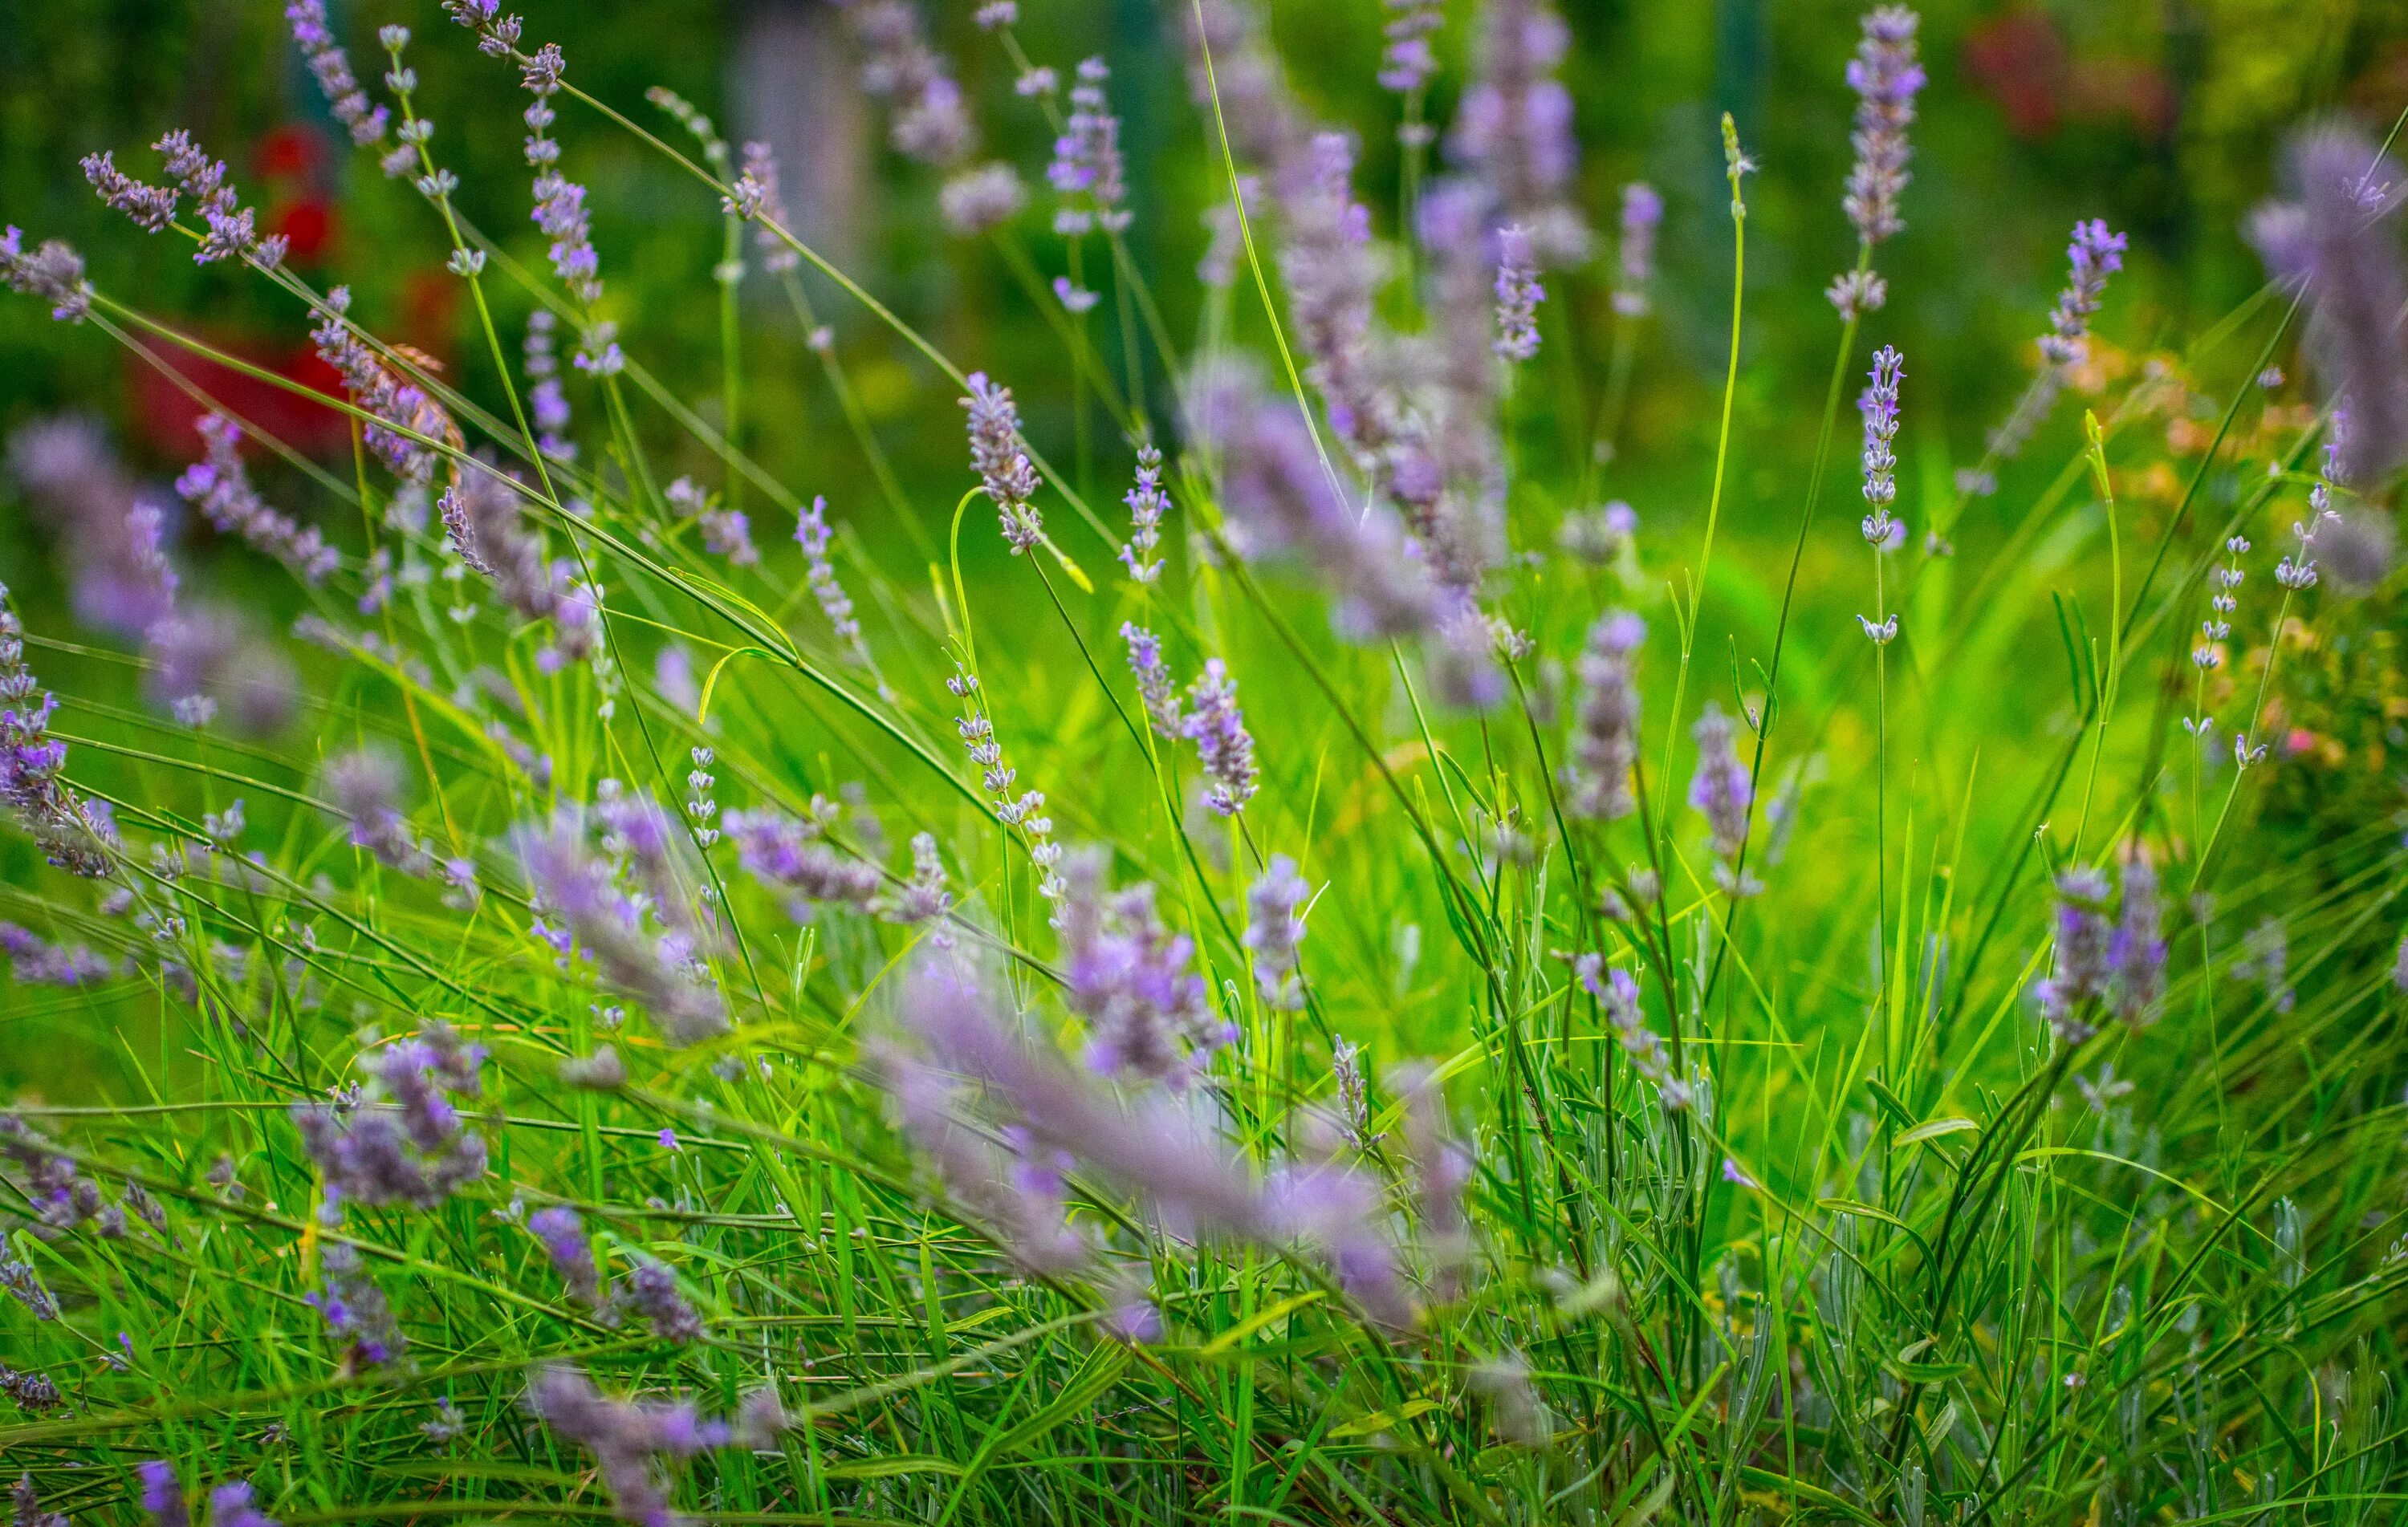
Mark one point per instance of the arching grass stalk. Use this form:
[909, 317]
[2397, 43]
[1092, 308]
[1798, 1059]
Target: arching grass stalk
[1735, 166]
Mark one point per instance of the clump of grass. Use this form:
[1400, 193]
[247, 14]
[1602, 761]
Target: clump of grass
[1366, 1015]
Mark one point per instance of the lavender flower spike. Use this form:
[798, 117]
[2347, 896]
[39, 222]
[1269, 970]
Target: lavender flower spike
[2094, 255]
[1721, 789]
[929, 123]
[563, 1234]
[1879, 407]
[1156, 688]
[76, 836]
[1514, 128]
[1274, 928]
[813, 534]
[1147, 1019]
[365, 786]
[1218, 729]
[1518, 296]
[2339, 237]
[1280, 497]
[53, 273]
[635, 1444]
[1642, 212]
[220, 489]
[1617, 993]
[333, 69]
[152, 207]
[232, 228]
[231, 1505]
[1003, 468]
[662, 970]
[1885, 77]
[1406, 63]
[2085, 958]
[163, 1493]
[1147, 504]
[1605, 728]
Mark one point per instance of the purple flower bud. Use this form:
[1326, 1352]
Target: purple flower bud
[563, 1235]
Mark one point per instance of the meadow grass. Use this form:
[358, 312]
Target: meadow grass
[1495, 1010]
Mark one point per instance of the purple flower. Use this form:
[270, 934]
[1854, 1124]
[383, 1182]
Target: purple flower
[757, 196]
[1280, 498]
[34, 961]
[929, 123]
[1605, 727]
[1642, 212]
[1086, 170]
[403, 1141]
[1514, 128]
[546, 402]
[2339, 237]
[635, 1443]
[333, 69]
[408, 418]
[1518, 296]
[793, 854]
[576, 891]
[725, 533]
[25, 1506]
[1879, 407]
[1003, 468]
[231, 1505]
[2136, 954]
[364, 788]
[1442, 1170]
[2084, 962]
[1885, 77]
[32, 1392]
[563, 1235]
[486, 525]
[983, 197]
[2094, 254]
[1127, 976]
[355, 1309]
[231, 233]
[163, 1493]
[76, 836]
[152, 207]
[203, 661]
[1148, 503]
[811, 533]
[924, 897]
[1617, 993]
[1218, 729]
[1274, 930]
[1406, 63]
[220, 489]
[54, 272]
[1721, 789]
[652, 1290]
[1155, 686]
[1342, 1213]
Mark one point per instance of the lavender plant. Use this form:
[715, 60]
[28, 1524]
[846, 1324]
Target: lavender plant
[656, 1025]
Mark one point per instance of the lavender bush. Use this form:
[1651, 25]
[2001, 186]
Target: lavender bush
[1316, 966]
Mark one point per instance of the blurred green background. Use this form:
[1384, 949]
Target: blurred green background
[2157, 114]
